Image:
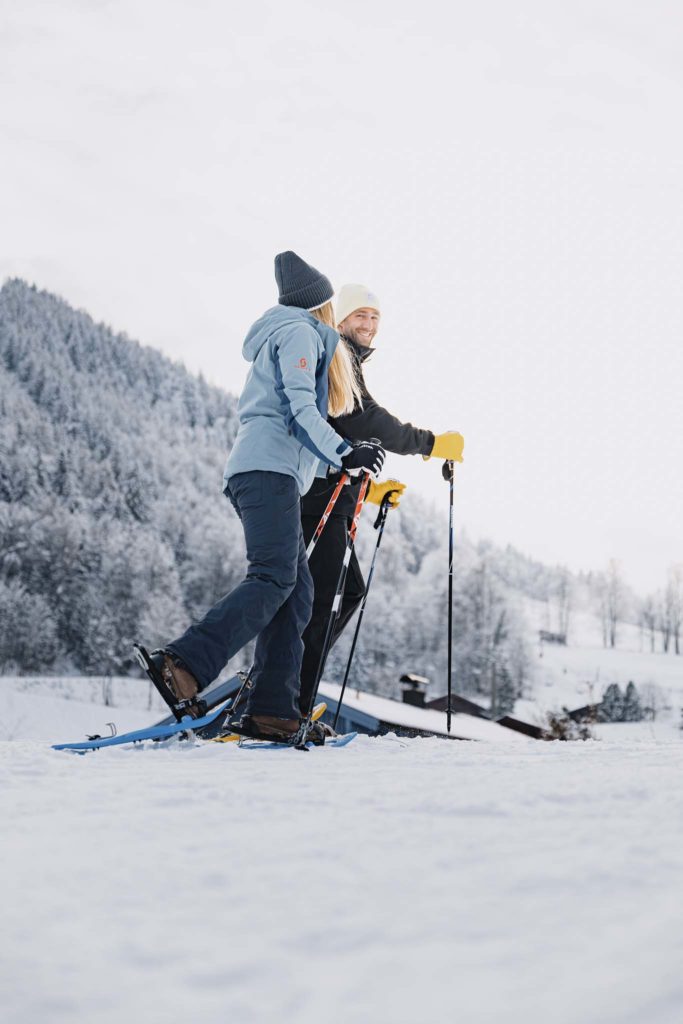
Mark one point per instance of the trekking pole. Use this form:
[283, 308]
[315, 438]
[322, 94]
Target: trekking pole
[379, 525]
[336, 606]
[343, 479]
[449, 474]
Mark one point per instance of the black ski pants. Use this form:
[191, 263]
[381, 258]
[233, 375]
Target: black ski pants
[325, 565]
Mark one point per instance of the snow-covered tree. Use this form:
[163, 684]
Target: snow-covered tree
[28, 637]
[92, 455]
[612, 705]
[632, 710]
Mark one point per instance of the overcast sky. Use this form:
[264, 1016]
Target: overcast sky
[507, 177]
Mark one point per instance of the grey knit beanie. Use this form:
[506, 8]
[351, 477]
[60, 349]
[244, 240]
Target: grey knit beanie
[300, 284]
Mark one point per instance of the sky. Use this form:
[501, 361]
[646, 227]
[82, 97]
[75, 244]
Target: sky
[506, 177]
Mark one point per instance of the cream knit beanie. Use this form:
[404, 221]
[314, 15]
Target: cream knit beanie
[352, 297]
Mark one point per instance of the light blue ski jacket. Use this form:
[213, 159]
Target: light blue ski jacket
[283, 408]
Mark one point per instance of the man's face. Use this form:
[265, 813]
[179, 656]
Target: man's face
[361, 326]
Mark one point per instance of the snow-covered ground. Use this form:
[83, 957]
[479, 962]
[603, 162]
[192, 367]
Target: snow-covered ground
[401, 881]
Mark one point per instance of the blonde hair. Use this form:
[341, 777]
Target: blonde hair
[343, 387]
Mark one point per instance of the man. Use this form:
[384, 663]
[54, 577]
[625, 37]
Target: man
[358, 318]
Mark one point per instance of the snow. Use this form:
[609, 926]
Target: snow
[390, 880]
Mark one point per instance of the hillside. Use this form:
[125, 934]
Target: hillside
[578, 674]
[111, 514]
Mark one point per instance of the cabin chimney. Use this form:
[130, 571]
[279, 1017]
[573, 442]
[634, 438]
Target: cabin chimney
[414, 689]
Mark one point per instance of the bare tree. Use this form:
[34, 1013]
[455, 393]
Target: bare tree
[497, 635]
[654, 700]
[599, 584]
[611, 594]
[649, 619]
[673, 608]
[107, 690]
[663, 621]
[565, 601]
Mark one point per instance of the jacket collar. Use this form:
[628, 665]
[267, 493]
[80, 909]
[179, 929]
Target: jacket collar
[361, 352]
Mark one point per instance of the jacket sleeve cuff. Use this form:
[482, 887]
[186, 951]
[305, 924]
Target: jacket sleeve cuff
[429, 443]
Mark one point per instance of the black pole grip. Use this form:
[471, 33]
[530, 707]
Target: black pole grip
[384, 507]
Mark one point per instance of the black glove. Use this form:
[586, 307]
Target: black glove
[366, 457]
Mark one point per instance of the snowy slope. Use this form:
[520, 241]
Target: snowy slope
[38, 716]
[43, 708]
[579, 673]
[401, 881]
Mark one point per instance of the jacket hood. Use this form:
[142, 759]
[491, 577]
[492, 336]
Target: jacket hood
[273, 318]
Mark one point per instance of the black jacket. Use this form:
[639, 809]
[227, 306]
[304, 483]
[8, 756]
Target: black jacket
[368, 420]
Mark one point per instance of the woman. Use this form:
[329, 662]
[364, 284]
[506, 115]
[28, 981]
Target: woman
[298, 374]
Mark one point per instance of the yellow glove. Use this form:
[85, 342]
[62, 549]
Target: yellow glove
[378, 490]
[447, 446]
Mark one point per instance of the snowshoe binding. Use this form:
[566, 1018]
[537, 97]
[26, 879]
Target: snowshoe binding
[173, 680]
[313, 733]
[265, 727]
[318, 732]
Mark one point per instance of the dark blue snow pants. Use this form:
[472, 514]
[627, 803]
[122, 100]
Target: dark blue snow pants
[273, 602]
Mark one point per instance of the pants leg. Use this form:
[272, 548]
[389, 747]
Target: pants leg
[268, 505]
[279, 650]
[325, 566]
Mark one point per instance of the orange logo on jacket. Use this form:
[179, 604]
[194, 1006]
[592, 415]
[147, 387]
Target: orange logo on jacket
[303, 364]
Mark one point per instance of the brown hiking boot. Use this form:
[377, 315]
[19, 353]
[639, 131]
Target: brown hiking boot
[179, 680]
[280, 726]
[264, 727]
[173, 680]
